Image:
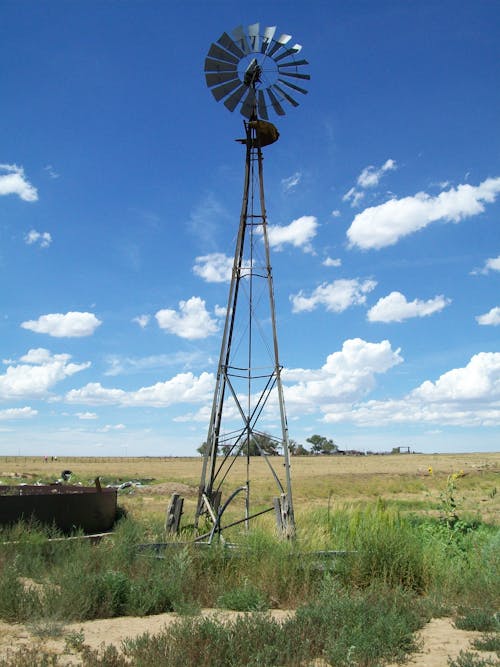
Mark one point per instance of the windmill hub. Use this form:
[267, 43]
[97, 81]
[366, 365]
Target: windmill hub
[253, 74]
[256, 71]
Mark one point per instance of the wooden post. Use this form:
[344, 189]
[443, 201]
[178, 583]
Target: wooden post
[174, 513]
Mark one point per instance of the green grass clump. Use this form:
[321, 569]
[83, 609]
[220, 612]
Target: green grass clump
[17, 602]
[470, 659]
[488, 642]
[29, 657]
[243, 598]
[360, 627]
[484, 620]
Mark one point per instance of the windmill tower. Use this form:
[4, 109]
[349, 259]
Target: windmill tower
[259, 74]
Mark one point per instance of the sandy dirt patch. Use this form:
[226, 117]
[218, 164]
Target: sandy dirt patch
[440, 639]
[102, 631]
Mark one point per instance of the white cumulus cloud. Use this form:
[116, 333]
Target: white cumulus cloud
[13, 182]
[38, 372]
[44, 239]
[17, 413]
[347, 375]
[86, 415]
[182, 388]
[329, 261]
[299, 233]
[68, 325]
[491, 318]
[464, 397]
[191, 321]
[383, 225]
[479, 380]
[395, 308]
[335, 297]
[214, 268]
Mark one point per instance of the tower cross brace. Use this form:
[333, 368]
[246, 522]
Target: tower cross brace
[248, 386]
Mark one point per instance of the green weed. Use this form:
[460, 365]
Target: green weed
[46, 628]
[29, 657]
[243, 598]
[488, 642]
[470, 659]
[74, 641]
[484, 620]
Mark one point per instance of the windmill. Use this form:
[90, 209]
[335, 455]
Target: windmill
[259, 74]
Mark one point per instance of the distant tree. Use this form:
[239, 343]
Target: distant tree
[203, 448]
[260, 443]
[300, 450]
[322, 445]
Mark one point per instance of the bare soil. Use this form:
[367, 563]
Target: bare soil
[440, 640]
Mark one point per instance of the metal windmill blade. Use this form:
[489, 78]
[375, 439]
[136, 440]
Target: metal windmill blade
[250, 69]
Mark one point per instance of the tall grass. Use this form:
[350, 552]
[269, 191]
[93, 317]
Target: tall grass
[382, 574]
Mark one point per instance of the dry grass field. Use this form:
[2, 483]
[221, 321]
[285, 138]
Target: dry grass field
[410, 482]
[401, 571]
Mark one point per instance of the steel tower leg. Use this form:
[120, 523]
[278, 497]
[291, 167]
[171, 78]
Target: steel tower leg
[244, 386]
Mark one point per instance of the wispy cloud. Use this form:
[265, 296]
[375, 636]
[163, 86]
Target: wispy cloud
[368, 178]
[354, 196]
[205, 219]
[491, 264]
[290, 183]
[51, 171]
[142, 320]
[121, 365]
[43, 239]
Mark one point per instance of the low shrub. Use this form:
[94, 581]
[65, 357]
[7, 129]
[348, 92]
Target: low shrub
[470, 659]
[484, 620]
[488, 642]
[244, 598]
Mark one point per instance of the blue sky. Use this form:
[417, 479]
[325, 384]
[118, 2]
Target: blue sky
[120, 193]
